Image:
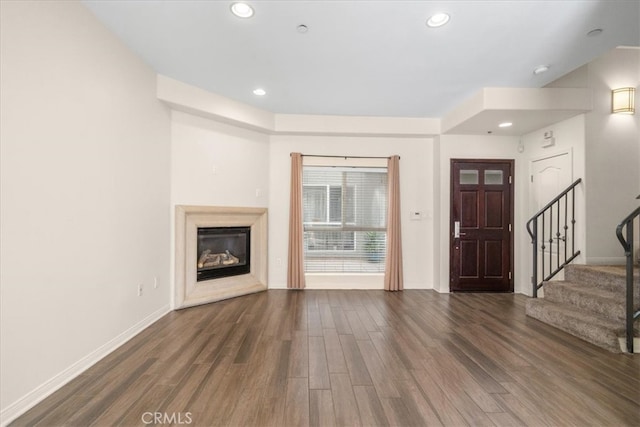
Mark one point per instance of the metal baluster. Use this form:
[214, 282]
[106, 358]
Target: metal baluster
[534, 244]
[543, 248]
[627, 243]
[629, 294]
[566, 209]
[546, 242]
[558, 237]
[573, 221]
[550, 239]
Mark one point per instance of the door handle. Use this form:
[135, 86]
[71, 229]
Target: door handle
[456, 230]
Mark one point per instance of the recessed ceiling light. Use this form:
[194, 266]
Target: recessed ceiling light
[505, 125]
[242, 10]
[302, 28]
[438, 20]
[540, 69]
[595, 32]
[259, 92]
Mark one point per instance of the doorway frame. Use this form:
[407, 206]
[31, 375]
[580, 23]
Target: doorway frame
[511, 163]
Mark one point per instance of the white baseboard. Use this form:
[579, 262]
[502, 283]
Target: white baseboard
[623, 345]
[420, 285]
[351, 286]
[44, 390]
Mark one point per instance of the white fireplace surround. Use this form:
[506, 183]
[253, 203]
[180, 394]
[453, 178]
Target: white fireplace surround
[190, 292]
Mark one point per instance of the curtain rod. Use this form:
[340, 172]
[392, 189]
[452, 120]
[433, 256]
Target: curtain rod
[347, 157]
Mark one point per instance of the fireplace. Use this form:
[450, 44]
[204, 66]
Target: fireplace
[227, 233]
[223, 252]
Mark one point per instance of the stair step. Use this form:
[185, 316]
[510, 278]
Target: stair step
[587, 298]
[595, 329]
[608, 277]
[589, 304]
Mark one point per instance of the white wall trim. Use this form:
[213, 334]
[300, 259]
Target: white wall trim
[343, 283]
[44, 390]
[421, 286]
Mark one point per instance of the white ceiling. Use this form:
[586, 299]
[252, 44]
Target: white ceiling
[368, 58]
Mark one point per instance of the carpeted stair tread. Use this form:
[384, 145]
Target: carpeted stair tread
[595, 299]
[590, 327]
[609, 277]
[589, 303]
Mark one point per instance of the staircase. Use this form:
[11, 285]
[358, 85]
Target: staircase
[589, 304]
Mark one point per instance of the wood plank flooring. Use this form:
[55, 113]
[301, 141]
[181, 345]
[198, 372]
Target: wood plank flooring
[350, 358]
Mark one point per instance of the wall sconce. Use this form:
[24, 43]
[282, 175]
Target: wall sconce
[622, 100]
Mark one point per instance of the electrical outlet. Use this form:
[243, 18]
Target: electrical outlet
[140, 290]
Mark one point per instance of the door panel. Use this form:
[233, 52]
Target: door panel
[481, 215]
[551, 175]
[493, 263]
[469, 259]
[469, 216]
[493, 209]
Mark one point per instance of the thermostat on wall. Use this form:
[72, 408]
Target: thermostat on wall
[548, 140]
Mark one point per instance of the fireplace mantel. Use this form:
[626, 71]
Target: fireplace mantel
[190, 292]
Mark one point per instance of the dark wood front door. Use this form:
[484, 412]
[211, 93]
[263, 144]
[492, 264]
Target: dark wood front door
[481, 223]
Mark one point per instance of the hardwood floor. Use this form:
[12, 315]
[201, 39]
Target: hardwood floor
[323, 358]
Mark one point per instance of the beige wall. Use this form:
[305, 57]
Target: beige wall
[84, 170]
[612, 154]
[612, 150]
[416, 166]
[216, 164]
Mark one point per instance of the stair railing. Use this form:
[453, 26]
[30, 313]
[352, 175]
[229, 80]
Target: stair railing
[627, 243]
[554, 225]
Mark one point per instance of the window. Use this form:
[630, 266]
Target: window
[344, 215]
[323, 204]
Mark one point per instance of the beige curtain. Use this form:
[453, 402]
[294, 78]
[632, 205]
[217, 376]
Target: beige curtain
[393, 267]
[295, 268]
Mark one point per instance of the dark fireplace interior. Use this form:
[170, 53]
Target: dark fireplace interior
[223, 251]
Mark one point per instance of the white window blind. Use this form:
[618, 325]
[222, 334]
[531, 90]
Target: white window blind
[344, 215]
